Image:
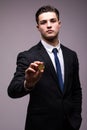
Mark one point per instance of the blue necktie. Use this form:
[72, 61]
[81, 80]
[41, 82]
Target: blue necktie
[58, 68]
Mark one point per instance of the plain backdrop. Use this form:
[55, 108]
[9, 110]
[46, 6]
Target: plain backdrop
[18, 32]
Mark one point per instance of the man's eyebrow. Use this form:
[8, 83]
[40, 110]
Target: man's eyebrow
[49, 19]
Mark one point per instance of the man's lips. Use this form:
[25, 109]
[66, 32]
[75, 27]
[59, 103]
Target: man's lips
[49, 31]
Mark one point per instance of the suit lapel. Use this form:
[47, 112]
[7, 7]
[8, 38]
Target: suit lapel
[66, 69]
[48, 63]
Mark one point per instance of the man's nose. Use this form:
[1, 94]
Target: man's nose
[48, 24]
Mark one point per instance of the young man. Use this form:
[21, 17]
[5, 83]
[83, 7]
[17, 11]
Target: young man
[50, 107]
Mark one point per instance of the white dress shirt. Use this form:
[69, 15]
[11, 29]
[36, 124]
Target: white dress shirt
[49, 49]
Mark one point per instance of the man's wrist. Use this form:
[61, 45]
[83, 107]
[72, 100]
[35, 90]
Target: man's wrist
[27, 86]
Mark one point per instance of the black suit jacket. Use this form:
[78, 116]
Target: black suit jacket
[48, 106]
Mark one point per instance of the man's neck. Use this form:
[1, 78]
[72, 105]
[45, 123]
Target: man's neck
[53, 42]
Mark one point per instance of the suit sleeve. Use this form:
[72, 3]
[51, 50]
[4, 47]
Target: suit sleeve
[77, 91]
[16, 87]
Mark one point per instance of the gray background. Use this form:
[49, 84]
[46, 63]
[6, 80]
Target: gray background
[18, 32]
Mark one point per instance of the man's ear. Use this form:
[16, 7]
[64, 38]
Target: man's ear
[60, 23]
[37, 26]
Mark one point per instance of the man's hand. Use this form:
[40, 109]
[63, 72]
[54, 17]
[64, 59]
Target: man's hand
[33, 74]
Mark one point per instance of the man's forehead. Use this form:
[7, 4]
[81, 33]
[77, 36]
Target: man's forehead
[47, 15]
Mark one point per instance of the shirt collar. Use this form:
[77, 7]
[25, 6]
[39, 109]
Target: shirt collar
[49, 47]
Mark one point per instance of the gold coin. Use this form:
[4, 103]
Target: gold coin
[41, 67]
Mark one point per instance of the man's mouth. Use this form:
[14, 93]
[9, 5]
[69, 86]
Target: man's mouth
[49, 31]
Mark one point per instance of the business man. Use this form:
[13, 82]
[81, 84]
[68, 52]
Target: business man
[49, 72]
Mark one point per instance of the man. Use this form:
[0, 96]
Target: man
[50, 107]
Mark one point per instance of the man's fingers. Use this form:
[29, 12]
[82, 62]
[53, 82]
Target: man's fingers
[37, 65]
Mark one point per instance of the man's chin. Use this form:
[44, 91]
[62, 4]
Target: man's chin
[50, 38]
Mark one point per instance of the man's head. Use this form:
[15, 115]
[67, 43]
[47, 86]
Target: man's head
[45, 9]
[48, 23]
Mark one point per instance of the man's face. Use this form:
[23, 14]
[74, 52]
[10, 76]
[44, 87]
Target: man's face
[48, 25]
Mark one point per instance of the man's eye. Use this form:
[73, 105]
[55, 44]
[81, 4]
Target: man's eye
[53, 20]
[42, 22]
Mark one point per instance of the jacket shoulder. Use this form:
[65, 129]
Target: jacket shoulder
[30, 54]
[30, 51]
[68, 50]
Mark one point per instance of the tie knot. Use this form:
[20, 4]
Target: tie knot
[55, 50]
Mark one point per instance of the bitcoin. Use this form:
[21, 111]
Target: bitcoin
[41, 67]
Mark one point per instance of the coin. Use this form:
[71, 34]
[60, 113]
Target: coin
[41, 67]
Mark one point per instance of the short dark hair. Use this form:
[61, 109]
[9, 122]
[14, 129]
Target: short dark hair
[46, 8]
